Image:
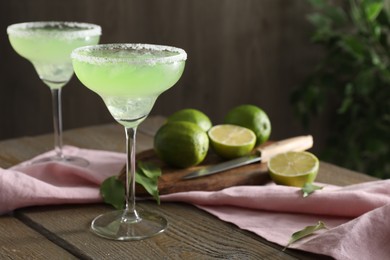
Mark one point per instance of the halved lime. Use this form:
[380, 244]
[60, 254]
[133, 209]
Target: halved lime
[231, 141]
[293, 168]
[252, 117]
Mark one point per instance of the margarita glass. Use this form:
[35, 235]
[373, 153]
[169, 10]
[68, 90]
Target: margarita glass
[129, 78]
[48, 45]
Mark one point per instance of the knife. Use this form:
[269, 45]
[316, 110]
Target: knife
[263, 154]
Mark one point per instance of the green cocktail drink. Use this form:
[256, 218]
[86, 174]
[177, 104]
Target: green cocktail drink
[129, 78]
[48, 45]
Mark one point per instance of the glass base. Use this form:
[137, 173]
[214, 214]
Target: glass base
[126, 225]
[65, 159]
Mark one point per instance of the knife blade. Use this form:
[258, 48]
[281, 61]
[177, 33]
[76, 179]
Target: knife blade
[263, 154]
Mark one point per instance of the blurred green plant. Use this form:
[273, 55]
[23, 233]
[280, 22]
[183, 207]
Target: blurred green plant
[351, 82]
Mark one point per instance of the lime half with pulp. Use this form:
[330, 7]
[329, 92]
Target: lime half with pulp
[252, 117]
[231, 141]
[293, 168]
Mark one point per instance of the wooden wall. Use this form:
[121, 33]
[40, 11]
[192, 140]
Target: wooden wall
[239, 51]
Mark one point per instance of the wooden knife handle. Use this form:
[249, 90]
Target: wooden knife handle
[296, 144]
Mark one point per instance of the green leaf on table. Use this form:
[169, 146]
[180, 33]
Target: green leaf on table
[305, 232]
[149, 169]
[309, 188]
[113, 192]
[147, 176]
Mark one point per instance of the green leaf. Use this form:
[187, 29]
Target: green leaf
[347, 100]
[375, 59]
[365, 82]
[147, 176]
[355, 12]
[377, 29]
[337, 16]
[151, 170]
[345, 105]
[354, 46]
[319, 20]
[305, 232]
[373, 10]
[113, 192]
[309, 188]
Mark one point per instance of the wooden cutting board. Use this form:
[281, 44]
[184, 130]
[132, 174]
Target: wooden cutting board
[171, 179]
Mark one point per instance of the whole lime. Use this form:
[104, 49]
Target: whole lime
[252, 117]
[181, 144]
[191, 115]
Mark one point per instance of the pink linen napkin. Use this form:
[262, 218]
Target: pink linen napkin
[357, 215]
[48, 183]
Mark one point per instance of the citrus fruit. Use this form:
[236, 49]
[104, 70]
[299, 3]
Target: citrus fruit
[230, 141]
[192, 115]
[251, 117]
[181, 144]
[293, 168]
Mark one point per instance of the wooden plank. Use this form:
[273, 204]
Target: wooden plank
[192, 234]
[17, 241]
[110, 137]
[332, 174]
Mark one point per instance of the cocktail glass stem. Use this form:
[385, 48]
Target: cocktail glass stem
[129, 223]
[57, 121]
[130, 168]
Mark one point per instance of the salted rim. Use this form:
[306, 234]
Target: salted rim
[86, 29]
[82, 53]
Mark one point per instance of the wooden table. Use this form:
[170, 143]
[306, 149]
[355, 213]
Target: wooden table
[62, 232]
